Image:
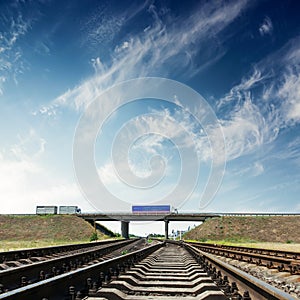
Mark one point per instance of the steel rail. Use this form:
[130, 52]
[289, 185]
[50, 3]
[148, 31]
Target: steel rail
[43, 251]
[20, 276]
[244, 282]
[271, 252]
[282, 262]
[66, 286]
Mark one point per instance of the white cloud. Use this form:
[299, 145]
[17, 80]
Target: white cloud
[178, 127]
[11, 62]
[2, 81]
[17, 165]
[237, 93]
[26, 182]
[290, 152]
[98, 66]
[287, 92]
[138, 141]
[122, 47]
[147, 53]
[132, 195]
[290, 93]
[107, 174]
[158, 133]
[100, 27]
[247, 128]
[127, 190]
[166, 124]
[63, 193]
[253, 170]
[266, 27]
[292, 56]
[251, 122]
[18, 28]
[28, 147]
[258, 169]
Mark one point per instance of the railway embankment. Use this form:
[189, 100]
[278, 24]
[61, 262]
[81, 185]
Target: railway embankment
[28, 231]
[248, 229]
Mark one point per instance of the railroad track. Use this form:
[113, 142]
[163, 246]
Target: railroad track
[23, 272]
[161, 270]
[183, 271]
[236, 283]
[15, 255]
[169, 272]
[281, 260]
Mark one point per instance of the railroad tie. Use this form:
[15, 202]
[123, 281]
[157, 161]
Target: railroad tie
[169, 272]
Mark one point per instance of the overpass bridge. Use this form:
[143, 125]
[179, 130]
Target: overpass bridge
[126, 218]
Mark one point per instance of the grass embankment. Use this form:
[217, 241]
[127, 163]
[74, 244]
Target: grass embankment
[279, 232]
[39, 231]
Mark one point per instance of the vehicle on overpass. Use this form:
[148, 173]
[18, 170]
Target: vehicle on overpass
[53, 210]
[69, 210]
[46, 210]
[151, 209]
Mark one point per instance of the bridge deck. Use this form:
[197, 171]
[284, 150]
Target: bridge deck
[170, 217]
[148, 217]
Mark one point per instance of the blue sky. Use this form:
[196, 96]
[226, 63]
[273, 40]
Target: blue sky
[56, 57]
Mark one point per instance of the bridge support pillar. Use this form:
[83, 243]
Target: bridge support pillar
[125, 229]
[166, 229]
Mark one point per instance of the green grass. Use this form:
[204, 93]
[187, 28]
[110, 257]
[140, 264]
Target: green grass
[20, 232]
[14, 245]
[255, 244]
[253, 231]
[229, 241]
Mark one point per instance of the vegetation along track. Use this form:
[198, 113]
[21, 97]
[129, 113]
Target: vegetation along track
[160, 270]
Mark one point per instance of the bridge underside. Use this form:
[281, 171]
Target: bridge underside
[126, 218]
[148, 217]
